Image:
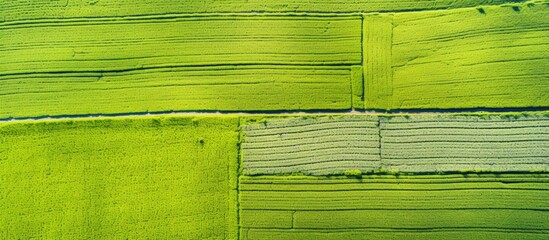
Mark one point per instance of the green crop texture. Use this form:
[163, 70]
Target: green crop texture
[112, 57]
[274, 119]
[172, 178]
[487, 57]
[38, 9]
[190, 63]
[387, 207]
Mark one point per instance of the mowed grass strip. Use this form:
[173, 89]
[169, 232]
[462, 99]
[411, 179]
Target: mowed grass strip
[106, 45]
[310, 145]
[395, 207]
[377, 45]
[171, 178]
[456, 234]
[176, 89]
[229, 62]
[485, 57]
[429, 143]
[45, 9]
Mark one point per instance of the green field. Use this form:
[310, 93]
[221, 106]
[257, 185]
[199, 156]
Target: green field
[176, 177]
[258, 63]
[469, 206]
[170, 178]
[276, 56]
[274, 120]
[494, 59]
[40, 9]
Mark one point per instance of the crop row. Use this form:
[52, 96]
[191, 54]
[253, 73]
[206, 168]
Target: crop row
[105, 61]
[44, 9]
[471, 206]
[421, 143]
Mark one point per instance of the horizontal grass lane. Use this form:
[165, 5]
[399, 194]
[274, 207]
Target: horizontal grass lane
[310, 145]
[185, 63]
[429, 143]
[403, 207]
[493, 57]
[457, 234]
[45, 9]
[172, 177]
[109, 46]
[263, 88]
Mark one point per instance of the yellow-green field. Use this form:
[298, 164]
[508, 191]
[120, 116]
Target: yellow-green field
[387, 207]
[171, 178]
[282, 119]
[251, 57]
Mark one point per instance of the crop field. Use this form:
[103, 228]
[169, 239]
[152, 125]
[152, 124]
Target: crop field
[113, 57]
[39, 9]
[410, 143]
[484, 57]
[100, 67]
[318, 146]
[123, 178]
[274, 120]
[458, 143]
[389, 207]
